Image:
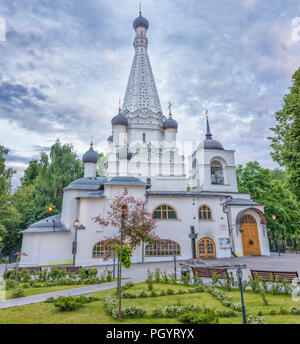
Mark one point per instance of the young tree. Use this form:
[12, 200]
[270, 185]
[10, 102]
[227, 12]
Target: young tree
[133, 225]
[286, 139]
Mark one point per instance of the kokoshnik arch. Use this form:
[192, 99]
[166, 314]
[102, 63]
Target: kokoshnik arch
[199, 214]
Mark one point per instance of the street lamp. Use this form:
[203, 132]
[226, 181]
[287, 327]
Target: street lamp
[239, 274]
[75, 225]
[274, 219]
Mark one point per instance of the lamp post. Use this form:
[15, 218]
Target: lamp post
[75, 225]
[175, 272]
[277, 241]
[240, 276]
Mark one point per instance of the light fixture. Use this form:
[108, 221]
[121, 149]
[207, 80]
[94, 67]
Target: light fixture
[274, 217]
[76, 223]
[50, 209]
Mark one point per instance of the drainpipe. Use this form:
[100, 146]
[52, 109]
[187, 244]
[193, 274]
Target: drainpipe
[228, 199]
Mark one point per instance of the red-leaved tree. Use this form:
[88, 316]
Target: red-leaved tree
[133, 226]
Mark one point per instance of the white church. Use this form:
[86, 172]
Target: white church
[198, 210]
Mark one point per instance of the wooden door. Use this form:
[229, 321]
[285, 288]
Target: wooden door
[206, 248]
[250, 237]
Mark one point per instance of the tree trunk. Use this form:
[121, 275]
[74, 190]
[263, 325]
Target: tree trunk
[119, 279]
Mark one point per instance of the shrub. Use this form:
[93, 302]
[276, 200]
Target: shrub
[163, 293]
[226, 302]
[173, 277]
[18, 292]
[286, 286]
[83, 299]
[142, 294]
[129, 296]
[275, 286]
[254, 284]
[202, 318]
[170, 292]
[282, 311]
[185, 279]
[164, 276]
[132, 312]
[26, 286]
[237, 306]
[157, 313]
[25, 276]
[198, 281]
[200, 289]
[255, 320]
[11, 284]
[109, 276]
[295, 310]
[153, 294]
[127, 285]
[50, 300]
[157, 275]
[149, 280]
[66, 303]
[273, 312]
[226, 313]
[215, 280]
[111, 305]
[42, 276]
[173, 311]
[181, 292]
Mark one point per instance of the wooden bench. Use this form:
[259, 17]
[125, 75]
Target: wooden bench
[268, 275]
[208, 272]
[31, 269]
[71, 269]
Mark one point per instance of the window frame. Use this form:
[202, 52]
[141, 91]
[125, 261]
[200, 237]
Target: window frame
[102, 254]
[222, 182]
[167, 242]
[167, 211]
[207, 211]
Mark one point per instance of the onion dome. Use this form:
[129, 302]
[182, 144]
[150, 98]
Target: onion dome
[170, 123]
[110, 138]
[119, 120]
[90, 156]
[140, 21]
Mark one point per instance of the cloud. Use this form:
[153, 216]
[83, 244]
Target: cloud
[65, 63]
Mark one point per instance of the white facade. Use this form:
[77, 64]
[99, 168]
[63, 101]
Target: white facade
[207, 210]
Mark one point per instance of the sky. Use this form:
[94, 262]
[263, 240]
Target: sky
[65, 63]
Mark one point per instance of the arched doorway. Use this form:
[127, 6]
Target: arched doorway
[206, 248]
[250, 237]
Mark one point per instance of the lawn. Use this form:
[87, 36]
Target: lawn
[94, 313]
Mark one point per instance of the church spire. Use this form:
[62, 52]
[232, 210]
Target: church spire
[208, 134]
[141, 93]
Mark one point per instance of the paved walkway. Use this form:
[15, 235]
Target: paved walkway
[138, 273]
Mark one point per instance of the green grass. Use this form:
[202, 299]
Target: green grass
[44, 290]
[95, 313]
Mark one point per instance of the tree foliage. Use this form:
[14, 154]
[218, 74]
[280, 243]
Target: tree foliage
[270, 188]
[286, 139]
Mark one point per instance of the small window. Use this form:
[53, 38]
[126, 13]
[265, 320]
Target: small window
[100, 251]
[144, 137]
[164, 212]
[205, 213]
[162, 248]
[216, 170]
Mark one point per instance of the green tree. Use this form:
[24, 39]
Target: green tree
[9, 216]
[44, 181]
[269, 187]
[286, 139]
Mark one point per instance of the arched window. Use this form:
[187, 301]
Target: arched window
[124, 211]
[216, 170]
[206, 248]
[99, 251]
[162, 248]
[194, 164]
[205, 213]
[164, 212]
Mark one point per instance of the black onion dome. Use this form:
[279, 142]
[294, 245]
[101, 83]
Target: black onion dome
[170, 123]
[110, 138]
[90, 156]
[211, 144]
[140, 21]
[119, 119]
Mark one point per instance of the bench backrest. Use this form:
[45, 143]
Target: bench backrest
[209, 272]
[267, 275]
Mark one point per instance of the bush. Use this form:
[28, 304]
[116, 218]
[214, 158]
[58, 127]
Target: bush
[157, 313]
[129, 296]
[153, 294]
[226, 314]
[111, 305]
[200, 289]
[181, 292]
[255, 320]
[109, 276]
[132, 312]
[66, 303]
[202, 318]
[226, 302]
[149, 280]
[237, 306]
[283, 311]
[142, 294]
[11, 284]
[162, 293]
[273, 312]
[295, 310]
[18, 292]
[50, 300]
[25, 276]
[164, 276]
[170, 292]
[173, 311]
[157, 275]
[26, 286]
[185, 279]
[83, 299]
[127, 285]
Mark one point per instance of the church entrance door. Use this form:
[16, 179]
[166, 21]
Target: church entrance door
[250, 237]
[206, 248]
